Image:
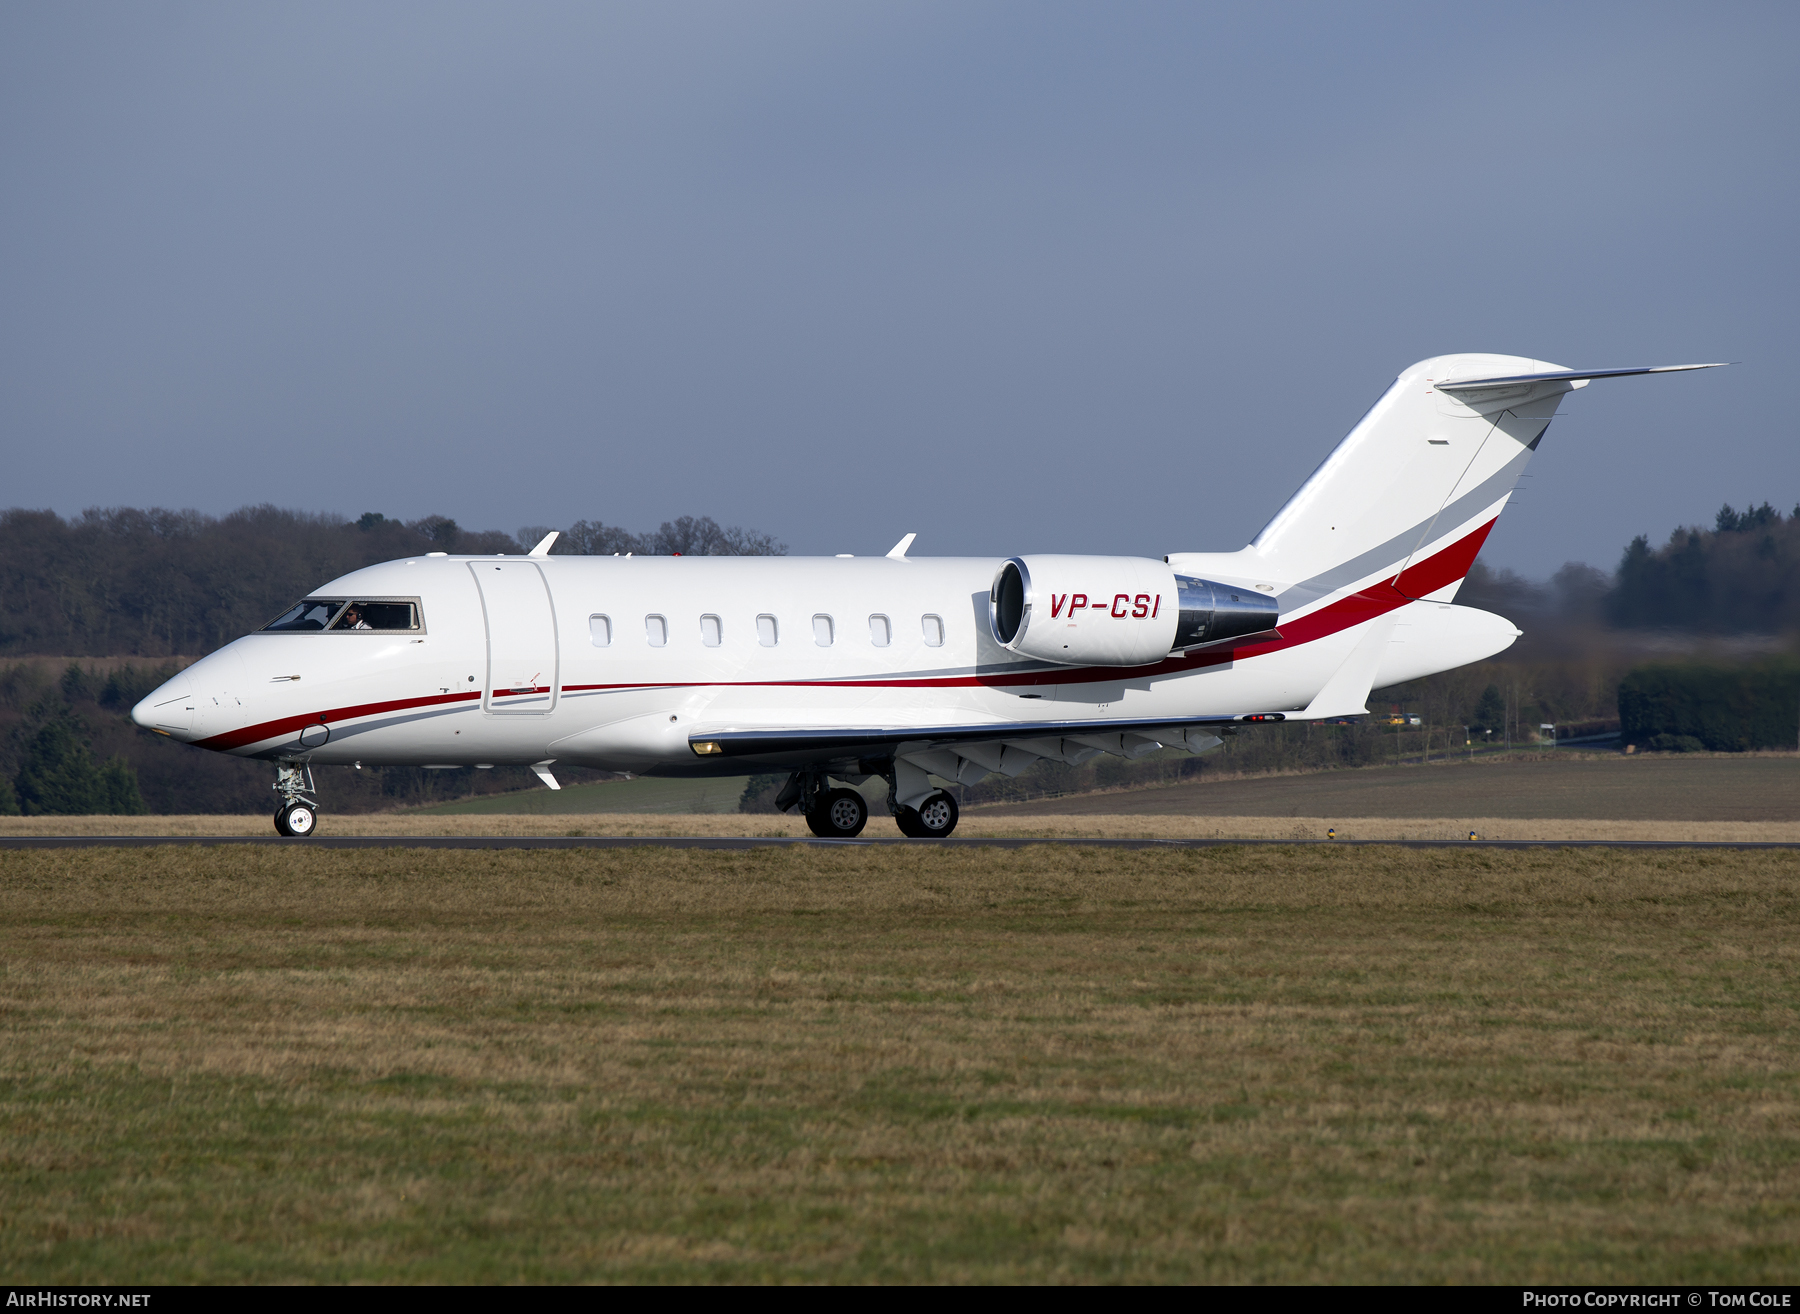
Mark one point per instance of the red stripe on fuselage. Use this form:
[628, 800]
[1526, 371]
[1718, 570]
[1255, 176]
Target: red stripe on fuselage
[250, 734]
[1411, 584]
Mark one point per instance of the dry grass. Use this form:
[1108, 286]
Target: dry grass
[1682, 787]
[975, 825]
[1034, 1065]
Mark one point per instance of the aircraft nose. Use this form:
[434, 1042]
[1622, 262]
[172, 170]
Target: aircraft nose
[169, 707]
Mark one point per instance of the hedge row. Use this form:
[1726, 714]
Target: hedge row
[1727, 709]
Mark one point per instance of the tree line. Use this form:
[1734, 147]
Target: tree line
[1742, 576]
[1695, 706]
[126, 582]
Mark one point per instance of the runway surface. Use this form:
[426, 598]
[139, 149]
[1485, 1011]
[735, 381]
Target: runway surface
[734, 842]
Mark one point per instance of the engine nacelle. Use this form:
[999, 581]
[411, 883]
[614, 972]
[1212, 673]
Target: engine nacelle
[1212, 613]
[1115, 611]
[1085, 611]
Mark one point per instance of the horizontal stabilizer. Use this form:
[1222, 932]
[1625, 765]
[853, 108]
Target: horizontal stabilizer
[1568, 376]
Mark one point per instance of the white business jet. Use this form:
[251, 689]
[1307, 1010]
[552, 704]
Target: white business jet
[914, 670]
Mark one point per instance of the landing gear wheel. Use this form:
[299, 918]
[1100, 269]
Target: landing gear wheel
[841, 814]
[297, 820]
[935, 818]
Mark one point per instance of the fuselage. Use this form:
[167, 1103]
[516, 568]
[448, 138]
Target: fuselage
[619, 662]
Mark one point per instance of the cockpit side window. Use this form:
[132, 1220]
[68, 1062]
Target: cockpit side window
[387, 616]
[313, 614]
[310, 614]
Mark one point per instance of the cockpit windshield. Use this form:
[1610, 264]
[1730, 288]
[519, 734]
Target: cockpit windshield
[313, 614]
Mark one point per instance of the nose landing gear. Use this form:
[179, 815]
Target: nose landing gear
[298, 814]
[296, 819]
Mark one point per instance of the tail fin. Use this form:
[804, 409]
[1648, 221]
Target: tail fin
[1408, 497]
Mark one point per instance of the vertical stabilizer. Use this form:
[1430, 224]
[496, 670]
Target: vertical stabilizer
[1410, 494]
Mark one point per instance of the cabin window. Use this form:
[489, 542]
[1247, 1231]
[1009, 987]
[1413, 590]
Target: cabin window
[934, 631]
[822, 631]
[711, 632]
[600, 631]
[657, 630]
[765, 630]
[880, 632]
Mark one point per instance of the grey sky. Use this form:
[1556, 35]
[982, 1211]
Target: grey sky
[1020, 277]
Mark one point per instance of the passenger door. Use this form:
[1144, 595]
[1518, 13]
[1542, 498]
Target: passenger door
[521, 637]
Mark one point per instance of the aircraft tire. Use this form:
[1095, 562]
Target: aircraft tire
[297, 820]
[935, 818]
[841, 814]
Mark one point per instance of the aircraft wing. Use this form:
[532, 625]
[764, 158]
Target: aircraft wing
[963, 753]
[956, 751]
[865, 741]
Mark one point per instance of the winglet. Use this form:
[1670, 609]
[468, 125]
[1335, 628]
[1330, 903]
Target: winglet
[899, 550]
[543, 550]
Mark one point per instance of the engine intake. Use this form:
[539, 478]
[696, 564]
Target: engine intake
[1115, 611]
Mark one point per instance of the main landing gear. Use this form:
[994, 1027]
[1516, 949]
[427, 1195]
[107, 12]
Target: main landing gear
[839, 813]
[830, 813]
[934, 818]
[298, 814]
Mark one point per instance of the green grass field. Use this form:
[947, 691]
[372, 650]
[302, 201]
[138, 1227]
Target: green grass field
[1305, 1064]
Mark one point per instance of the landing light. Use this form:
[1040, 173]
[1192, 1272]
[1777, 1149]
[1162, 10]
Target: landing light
[707, 748]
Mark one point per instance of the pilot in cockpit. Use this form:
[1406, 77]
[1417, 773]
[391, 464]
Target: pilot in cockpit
[352, 619]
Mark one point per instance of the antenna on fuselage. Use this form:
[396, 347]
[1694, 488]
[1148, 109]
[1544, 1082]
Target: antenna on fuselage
[543, 549]
[899, 550]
